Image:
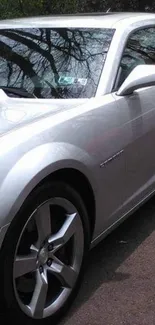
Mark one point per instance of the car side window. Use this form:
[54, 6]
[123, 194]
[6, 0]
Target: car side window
[140, 49]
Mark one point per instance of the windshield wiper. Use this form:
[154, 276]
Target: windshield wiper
[21, 92]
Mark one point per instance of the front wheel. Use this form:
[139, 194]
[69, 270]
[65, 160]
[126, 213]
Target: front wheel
[43, 254]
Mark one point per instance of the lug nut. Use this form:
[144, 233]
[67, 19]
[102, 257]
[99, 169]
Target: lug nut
[41, 269]
[50, 247]
[49, 262]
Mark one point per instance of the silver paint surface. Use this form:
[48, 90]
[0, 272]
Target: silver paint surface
[38, 136]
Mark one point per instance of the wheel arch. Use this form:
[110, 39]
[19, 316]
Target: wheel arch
[44, 163]
[77, 180]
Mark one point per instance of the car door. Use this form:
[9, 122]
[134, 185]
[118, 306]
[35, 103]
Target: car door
[139, 112]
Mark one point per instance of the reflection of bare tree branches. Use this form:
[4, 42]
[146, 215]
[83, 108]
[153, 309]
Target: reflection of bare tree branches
[16, 80]
[141, 51]
[10, 71]
[142, 43]
[43, 54]
[31, 45]
[25, 65]
[48, 39]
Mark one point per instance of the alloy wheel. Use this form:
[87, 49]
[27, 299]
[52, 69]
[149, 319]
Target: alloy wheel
[48, 258]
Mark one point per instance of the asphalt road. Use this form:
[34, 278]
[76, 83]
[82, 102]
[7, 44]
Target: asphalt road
[119, 283]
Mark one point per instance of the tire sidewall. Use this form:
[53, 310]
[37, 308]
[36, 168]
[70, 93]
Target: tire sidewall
[36, 198]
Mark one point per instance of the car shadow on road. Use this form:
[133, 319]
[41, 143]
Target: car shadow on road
[104, 260]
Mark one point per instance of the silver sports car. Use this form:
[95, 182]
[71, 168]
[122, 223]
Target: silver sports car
[77, 151]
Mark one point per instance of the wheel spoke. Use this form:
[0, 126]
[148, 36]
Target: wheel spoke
[24, 265]
[43, 222]
[65, 233]
[66, 274]
[38, 301]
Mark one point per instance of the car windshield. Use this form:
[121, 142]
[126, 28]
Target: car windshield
[53, 62]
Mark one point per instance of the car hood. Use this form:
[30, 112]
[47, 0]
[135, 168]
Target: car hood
[16, 112]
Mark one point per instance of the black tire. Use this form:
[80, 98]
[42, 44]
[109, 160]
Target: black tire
[37, 197]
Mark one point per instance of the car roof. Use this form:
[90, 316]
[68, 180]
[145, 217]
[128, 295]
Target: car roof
[106, 20]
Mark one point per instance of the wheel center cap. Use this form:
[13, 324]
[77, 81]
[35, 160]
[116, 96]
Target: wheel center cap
[43, 256]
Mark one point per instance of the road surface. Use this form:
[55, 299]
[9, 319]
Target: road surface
[119, 283]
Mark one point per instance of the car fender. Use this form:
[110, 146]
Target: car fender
[33, 167]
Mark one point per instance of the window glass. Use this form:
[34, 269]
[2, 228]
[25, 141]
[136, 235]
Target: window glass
[54, 62]
[140, 49]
